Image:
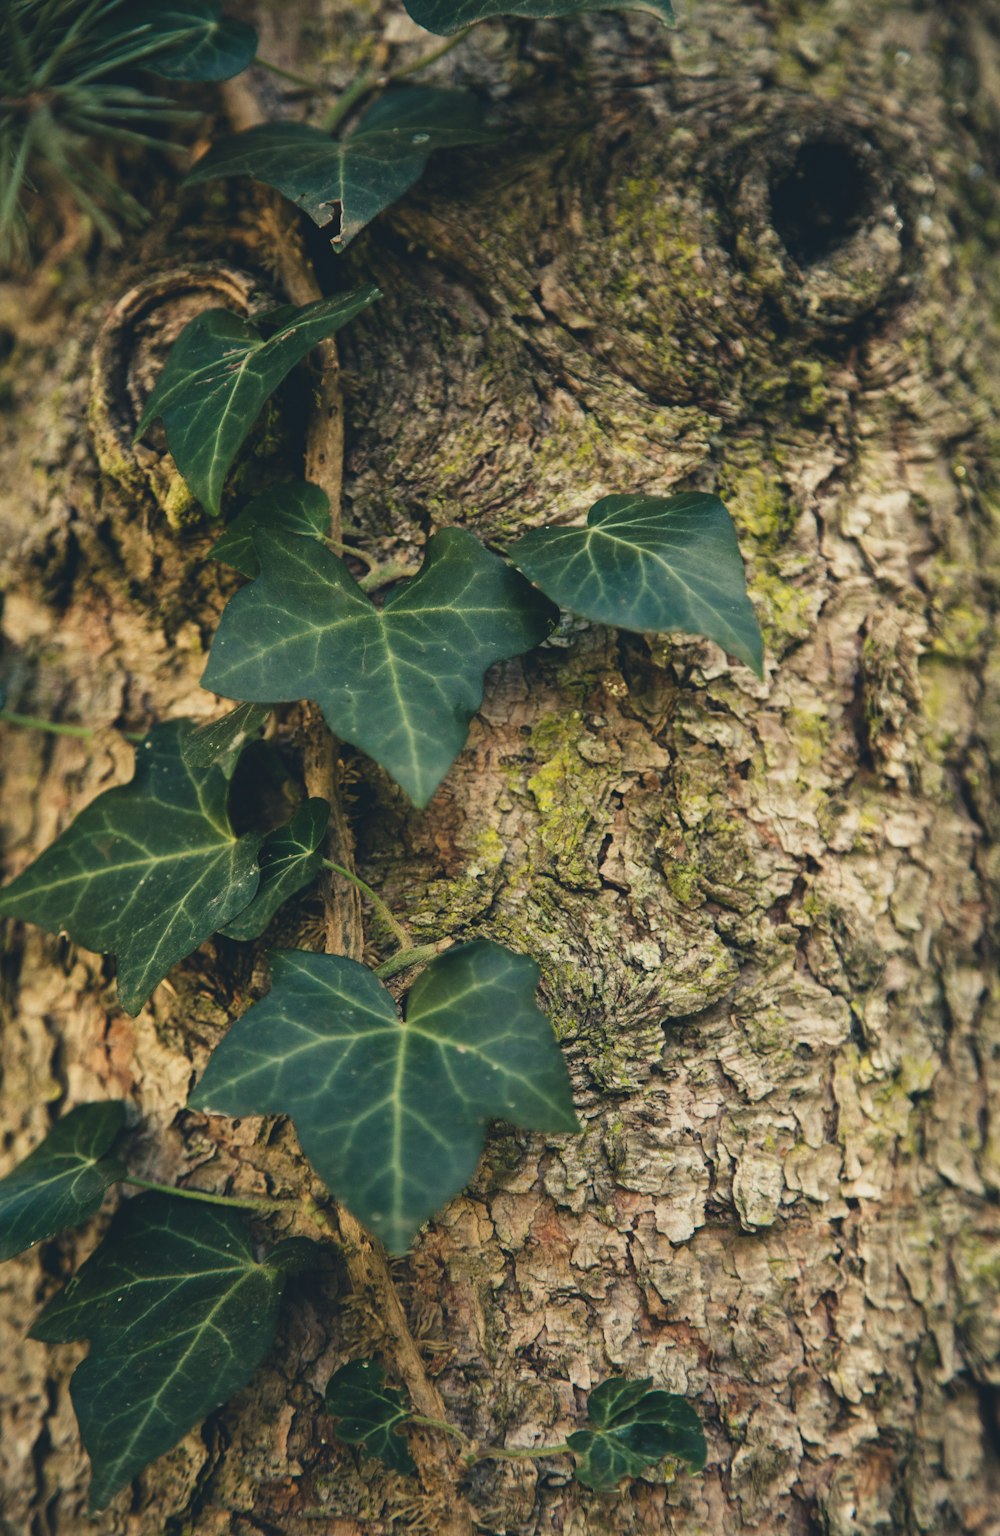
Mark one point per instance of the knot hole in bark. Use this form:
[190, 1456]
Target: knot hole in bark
[820, 201]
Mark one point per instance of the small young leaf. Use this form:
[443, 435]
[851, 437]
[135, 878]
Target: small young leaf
[400, 682]
[63, 1181]
[184, 39]
[343, 183]
[289, 858]
[370, 1413]
[391, 1114]
[219, 375]
[447, 16]
[220, 742]
[147, 871]
[633, 1428]
[298, 510]
[179, 1315]
[650, 563]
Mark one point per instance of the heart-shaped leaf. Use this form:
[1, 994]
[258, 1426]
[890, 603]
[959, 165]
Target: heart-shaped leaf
[634, 1427]
[179, 1314]
[447, 16]
[297, 510]
[219, 375]
[392, 1115]
[148, 871]
[289, 858]
[220, 742]
[343, 183]
[63, 1181]
[182, 39]
[369, 1413]
[400, 682]
[650, 563]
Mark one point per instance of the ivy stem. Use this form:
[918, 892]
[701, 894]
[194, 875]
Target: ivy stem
[444, 1426]
[404, 958]
[378, 79]
[287, 74]
[57, 728]
[382, 575]
[519, 1452]
[199, 1194]
[395, 927]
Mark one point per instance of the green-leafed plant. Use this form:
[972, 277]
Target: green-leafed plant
[391, 1104]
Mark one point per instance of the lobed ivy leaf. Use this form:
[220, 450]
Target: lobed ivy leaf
[147, 871]
[290, 858]
[183, 39]
[650, 563]
[179, 1314]
[634, 1427]
[402, 681]
[369, 1413]
[392, 1114]
[220, 742]
[343, 183]
[61, 1182]
[219, 375]
[447, 16]
[297, 510]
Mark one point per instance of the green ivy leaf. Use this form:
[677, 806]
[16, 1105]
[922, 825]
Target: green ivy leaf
[633, 1428]
[179, 1314]
[147, 872]
[289, 858]
[184, 39]
[392, 1114]
[343, 183]
[370, 1413]
[63, 1181]
[297, 510]
[447, 16]
[650, 563]
[219, 375]
[220, 742]
[400, 682]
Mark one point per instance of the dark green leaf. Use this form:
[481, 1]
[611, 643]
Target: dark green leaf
[633, 1428]
[650, 563]
[220, 742]
[289, 858]
[219, 375]
[447, 16]
[299, 510]
[400, 682]
[342, 184]
[183, 39]
[63, 1181]
[179, 1315]
[392, 1115]
[148, 871]
[370, 1413]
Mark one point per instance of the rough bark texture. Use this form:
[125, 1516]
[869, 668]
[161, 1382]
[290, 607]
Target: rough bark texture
[758, 255]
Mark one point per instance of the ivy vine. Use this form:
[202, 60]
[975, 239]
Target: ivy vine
[180, 1298]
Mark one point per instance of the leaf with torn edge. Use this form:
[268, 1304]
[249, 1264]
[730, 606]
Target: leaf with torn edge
[219, 375]
[370, 1414]
[296, 510]
[343, 183]
[61, 1182]
[402, 681]
[392, 1114]
[634, 1426]
[290, 858]
[650, 563]
[147, 871]
[448, 16]
[179, 1314]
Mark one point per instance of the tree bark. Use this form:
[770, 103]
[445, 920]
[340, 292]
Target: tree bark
[759, 256]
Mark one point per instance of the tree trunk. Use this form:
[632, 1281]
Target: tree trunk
[759, 256]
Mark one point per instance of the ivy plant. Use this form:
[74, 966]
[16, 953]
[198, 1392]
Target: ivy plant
[391, 1102]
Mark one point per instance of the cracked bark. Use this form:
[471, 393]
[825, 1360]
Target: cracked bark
[758, 256]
